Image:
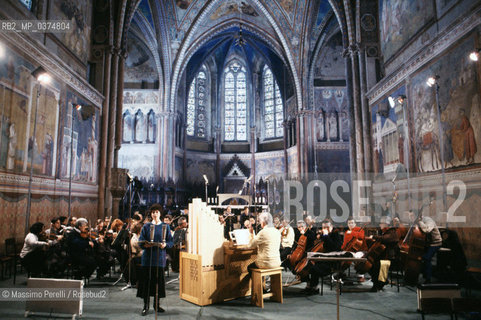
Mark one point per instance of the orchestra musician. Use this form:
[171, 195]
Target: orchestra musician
[267, 241]
[55, 229]
[179, 242]
[151, 278]
[80, 248]
[135, 252]
[353, 232]
[390, 238]
[244, 216]
[434, 242]
[310, 223]
[332, 241]
[229, 219]
[287, 241]
[32, 257]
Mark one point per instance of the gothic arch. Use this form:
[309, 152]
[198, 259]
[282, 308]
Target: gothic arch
[188, 40]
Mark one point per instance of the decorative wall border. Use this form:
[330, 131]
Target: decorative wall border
[443, 42]
[332, 145]
[18, 183]
[38, 53]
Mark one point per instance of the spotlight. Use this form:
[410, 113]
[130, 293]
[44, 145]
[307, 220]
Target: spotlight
[401, 99]
[41, 75]
[474, 56]
[432, 81]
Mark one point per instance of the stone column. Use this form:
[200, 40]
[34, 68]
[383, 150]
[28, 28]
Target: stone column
[366, 123]
[352, 124]
[111, 122]
[253, 160]
[104, 135]
[120, 102]
[285, 126]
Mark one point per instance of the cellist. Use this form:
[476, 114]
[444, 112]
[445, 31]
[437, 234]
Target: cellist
[332, 242]
[433, 239]
[287, 241]
[353, 232]
[390, 239]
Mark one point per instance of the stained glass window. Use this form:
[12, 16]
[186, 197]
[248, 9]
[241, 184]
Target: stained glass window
[235, 102]
[196, 105]
[273, 107]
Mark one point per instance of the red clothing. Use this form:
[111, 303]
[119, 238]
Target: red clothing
[356, 232]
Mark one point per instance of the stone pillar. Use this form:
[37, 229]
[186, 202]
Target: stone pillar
[356, 91]
[111, 121]
[104, 135]
[119, 108]
[352, 124]
[253, 160]
[285, 126]
[366, 123]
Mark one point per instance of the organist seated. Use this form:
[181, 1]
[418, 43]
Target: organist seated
[268, 242]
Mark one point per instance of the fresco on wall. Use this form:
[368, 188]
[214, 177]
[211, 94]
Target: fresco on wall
[140, 64]
[330, 63]
[179, 168]
[401, 20]
[460, 106]
[233, 7]
[77, 39]
[388, 134]
[443, 6]
[332, 119]
[268, 166]
[197, 167]
[17, 118]
[85, 137]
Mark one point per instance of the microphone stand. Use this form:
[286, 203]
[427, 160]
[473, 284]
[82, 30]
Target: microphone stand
[129, 262]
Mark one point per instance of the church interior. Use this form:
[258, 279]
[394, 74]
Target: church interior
[303, 109]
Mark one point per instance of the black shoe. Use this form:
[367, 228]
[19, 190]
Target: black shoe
[373, 289]
[145, 310]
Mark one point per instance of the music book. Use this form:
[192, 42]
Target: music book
[240, 236]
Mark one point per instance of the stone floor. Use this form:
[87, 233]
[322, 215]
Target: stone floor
[357, 304]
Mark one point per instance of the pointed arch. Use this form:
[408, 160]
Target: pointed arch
[189, 38]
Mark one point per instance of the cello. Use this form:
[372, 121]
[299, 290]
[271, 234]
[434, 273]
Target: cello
[412, 250]
[302, 264]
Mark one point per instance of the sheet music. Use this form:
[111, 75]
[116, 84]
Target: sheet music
[242, 236]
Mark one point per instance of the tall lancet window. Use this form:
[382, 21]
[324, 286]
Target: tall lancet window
[196, 105]
[273, 107]
[235, 102]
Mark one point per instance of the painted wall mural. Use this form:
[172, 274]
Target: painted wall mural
[139, 159]
[401, 20]
[79, 13]
[197, 167]
[140, 64]
[18, 105]
[81, 127]
[268, 166]
[330, 63]
[388, 134]
[460, 111]
[332, 119]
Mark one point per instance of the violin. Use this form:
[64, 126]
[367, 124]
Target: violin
[85, 234]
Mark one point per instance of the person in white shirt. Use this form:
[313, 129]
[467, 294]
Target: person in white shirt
[287, 241]
[32, 256]
[268, 242]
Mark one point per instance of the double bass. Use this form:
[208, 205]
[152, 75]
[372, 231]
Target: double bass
[412, 250]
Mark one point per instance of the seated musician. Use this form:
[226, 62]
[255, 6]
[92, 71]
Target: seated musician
[136, 252]
[388, 237]
[332, 242]
[55, 229]
[267, 241]
[300, 230]
[353, 232]
[226, 228]
[310, 222]
[80, 249]
[32, 257]
[277, 222]
[287, 241]
[434, 242]
[179, 242]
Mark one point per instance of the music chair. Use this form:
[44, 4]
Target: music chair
[11, 251]
[396, 268]
[472, 276]
[257, 294]
[436, 306]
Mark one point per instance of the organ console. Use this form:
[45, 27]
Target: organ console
[212, 269]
